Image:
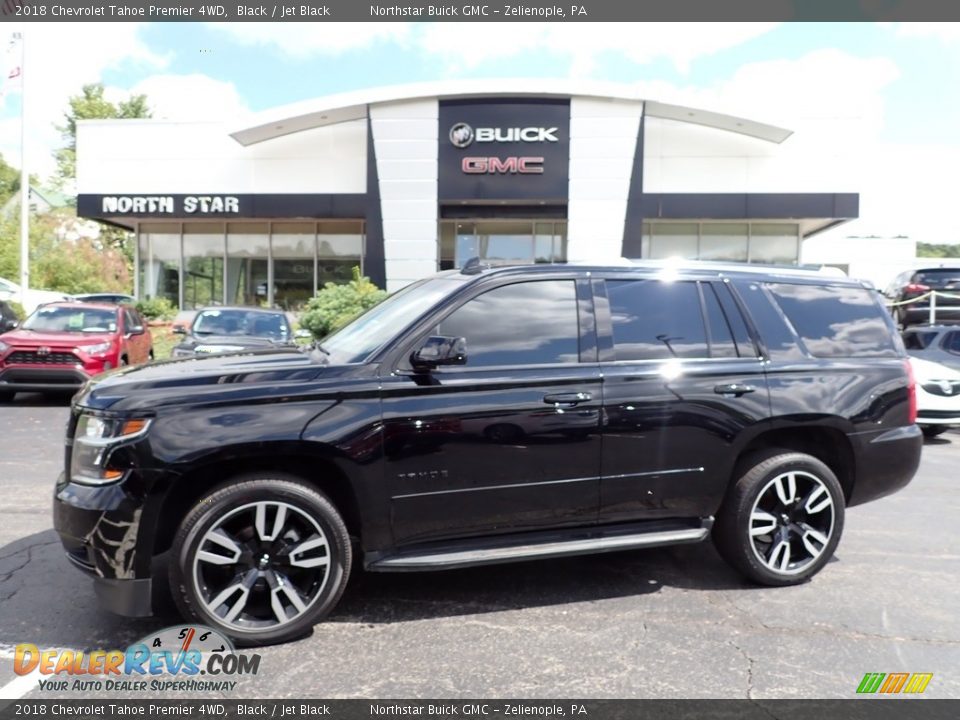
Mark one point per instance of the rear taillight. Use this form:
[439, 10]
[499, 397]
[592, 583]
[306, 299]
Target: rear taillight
[911, 394]
[917, 288]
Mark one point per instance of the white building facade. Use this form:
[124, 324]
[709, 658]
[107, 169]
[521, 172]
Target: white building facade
[406, 181]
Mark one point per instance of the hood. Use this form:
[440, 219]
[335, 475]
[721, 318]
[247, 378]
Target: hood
[212, 342]
[31, 338]
[216, 378]
[926, 370]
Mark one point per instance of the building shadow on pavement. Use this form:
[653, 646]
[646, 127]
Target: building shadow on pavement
[46, 601]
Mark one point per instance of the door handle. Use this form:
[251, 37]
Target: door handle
[735, 389]
[571, 399]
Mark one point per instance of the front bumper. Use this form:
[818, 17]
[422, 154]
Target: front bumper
[100, 529]
[24, 378]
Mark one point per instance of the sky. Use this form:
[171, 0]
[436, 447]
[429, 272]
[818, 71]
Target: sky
[886, 96]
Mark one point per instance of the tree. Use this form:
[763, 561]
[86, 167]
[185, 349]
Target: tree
[9, 181]
[91, 105]
[936, 250]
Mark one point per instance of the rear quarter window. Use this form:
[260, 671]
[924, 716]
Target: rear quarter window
[836, 320]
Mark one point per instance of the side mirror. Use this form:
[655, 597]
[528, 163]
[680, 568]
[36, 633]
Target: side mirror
[136, 330]
[179, 330]
[439, 350]
[10, 324]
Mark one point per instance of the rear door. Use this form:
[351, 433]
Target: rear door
[682, 380]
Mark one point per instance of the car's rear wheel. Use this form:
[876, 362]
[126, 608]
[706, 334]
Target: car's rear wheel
[932, 431]
[261, 559]
[783, 518]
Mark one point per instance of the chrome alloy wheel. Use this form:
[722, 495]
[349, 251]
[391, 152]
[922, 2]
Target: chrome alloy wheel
[261, 565]
[791, 522]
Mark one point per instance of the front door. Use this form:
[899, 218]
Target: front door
[510, 440]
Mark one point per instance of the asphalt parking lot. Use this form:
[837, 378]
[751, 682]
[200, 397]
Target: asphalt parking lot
[667, 623]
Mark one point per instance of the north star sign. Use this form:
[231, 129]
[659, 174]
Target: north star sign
[166, 204]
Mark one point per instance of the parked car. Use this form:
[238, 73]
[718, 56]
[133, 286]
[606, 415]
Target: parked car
[8, 318]
[938, 396]
[113, 298]
[233, 329]
[936, 343]
[754, 403]
[913, 284]
[31, 299]
[62, 345]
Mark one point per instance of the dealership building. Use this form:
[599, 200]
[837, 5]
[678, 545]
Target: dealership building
[405, 181]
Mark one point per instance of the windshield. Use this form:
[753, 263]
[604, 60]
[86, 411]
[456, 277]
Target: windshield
[241, 322]
[68, 319]
[381, 323]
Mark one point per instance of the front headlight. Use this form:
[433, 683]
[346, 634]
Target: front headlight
[96, 349]
[93, 441]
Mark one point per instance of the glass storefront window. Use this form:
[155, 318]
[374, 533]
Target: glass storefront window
[339, 250]
[502, 242]
[159, 249]
[203, 248]
[777, 243]
[248, 250]
[293, 250]
[673, 240]
[722, 241]
[725, 242]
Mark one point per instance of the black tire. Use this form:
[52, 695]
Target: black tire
[755, 554]
[932, 431]
[266, 566]
[123, 361]
[150, 357]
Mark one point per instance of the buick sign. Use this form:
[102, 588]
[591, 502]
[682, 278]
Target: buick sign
[461, 134]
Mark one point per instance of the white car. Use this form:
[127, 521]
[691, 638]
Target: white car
[938, 396]
[30, 300]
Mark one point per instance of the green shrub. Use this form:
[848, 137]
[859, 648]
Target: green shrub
[17, 310]
[336, 305]
[159, 308]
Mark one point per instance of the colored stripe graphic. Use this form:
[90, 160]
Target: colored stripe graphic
[918, 683]
[870, 682]
[893, 683]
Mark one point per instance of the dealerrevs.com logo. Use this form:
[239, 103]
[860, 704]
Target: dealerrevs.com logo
[170, 660]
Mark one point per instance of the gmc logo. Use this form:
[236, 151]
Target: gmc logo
[506, 166]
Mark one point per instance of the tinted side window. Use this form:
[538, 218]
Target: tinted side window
[836, 320]
[734, 315]
[951, 342]
[130, 319]
[655, 320]
[528, 323]
[918, 340]
[721, 337]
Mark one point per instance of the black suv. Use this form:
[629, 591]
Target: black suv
[487, 416]
[911, 291]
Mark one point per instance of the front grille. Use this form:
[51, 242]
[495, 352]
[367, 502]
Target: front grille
[938, 414]
[946, 388]
[32, 357]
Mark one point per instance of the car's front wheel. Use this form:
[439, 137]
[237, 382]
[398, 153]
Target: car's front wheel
[782, 519]
[261, 559]
[932, 431]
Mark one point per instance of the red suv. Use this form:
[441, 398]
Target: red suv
[61, 345]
